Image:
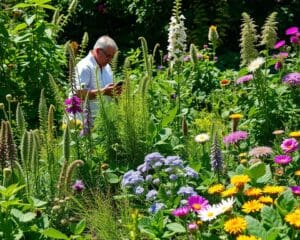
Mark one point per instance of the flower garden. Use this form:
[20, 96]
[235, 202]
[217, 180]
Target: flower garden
[187, 151]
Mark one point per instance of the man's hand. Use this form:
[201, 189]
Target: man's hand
[112, 89]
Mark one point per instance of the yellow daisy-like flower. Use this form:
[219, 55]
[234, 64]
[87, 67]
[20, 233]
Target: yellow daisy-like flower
[235, 116]
[229, 192]
[239, 180]
[297, 173]
[217, 188]
[243, 161]
[243, 154]
[252, 206]
[245, 237]
[295, 134]
[273, 189]
[253, 192]
[293, 218]
[235, 225]
[266, 199]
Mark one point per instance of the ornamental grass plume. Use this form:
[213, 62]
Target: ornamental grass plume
[248, 40]
[269, 31]
[213, 36]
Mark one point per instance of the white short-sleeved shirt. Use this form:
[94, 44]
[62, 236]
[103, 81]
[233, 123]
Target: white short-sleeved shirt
[88, 75]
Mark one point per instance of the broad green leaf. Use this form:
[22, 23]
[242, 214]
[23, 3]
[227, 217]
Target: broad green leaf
[29, 20]
[79, 228]
[170, 116]
[23, 217]
[47, 6]
[39, 2]
[254, 227]
[36, 202]
[19, 27]
[285, 202]
[23, 5]
[53, 233]
[176, 227]
[271, 217]
[273, 233]
[267, 177]
[256, 171]
[11, 190]
[112, 178]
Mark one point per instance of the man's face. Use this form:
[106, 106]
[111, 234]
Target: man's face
[105, 55]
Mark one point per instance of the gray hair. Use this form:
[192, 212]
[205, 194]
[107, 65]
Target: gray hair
[104, 42]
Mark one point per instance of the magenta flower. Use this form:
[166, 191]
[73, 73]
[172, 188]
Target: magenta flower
[289, 145]
[235, 137]
[193, 227]
[292, 79]
[296, 190]
[181, 212]
[197, 203]
[243, 79]
[282, 159]
[291, 31]
[78, 186]
[294, 40]
[73, 105]
[278, 65]
[279, 44]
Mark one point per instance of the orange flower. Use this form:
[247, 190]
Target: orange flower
[229, 192]
[224, 82]
[253, 192]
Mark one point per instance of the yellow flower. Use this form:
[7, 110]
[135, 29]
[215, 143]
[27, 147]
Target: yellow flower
[217, 188]
[297, 173]
[229, 192]
[253, 192]
[235, 225]
[243, 161]
[295, 134]
[293, 218]
[252, 206]
[245, 237]
[266, 199]
[235, 116]
[239, 180]
[243, 154]
[273, 189]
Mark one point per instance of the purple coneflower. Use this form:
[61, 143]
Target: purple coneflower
[260, 152]
[291, 30]
[196, 203]
[289, 145]
[244, 79]
[235, 137]
[78, 186]
[296, 190]
[181, 212]
[282, 159]
[294, 40]
[279, 44]
[73, 105]
[292, 79]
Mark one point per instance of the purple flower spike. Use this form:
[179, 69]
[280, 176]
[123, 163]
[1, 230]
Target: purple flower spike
[181, 212]
[282, 159]
[78, 186]
[296, 190]
[279, 44]
[291, 31]
[289, 145]
[73, 105]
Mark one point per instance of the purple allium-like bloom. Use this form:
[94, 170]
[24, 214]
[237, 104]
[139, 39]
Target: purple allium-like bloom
[197, 203]
[155, 207]
[292, 79]
[73, 105]
[174, 161]
[235, 137]
[193, 227]
[282, 159]
[279, 44]
[173, 177]
[291, 30]
[153, 158]
[190, 172]
[143, 168]
[289, 145]
[151, 194]
[244, 79]
[188, 191]
[132, 178]
[278, 65]
[181, 212]
[296, 190]
[78, 186]
[294, 40]
[260, 152]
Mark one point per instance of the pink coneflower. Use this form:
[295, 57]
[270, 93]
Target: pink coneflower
[278, 65]
[260, 152]
[296, 190]
[235, 137]
[78, 186]
[279, 44]
[289, 145]
[291, 30]
[181, 212]
[244, 79]
[292, 79]
[294, 39]
[282, 159]
[196, 203]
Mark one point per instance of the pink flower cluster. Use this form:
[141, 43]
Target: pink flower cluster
[235, 137]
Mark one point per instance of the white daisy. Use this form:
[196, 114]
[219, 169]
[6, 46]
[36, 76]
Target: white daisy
[226, 205]
[209, 213]
[201, 138]
[256, 64]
